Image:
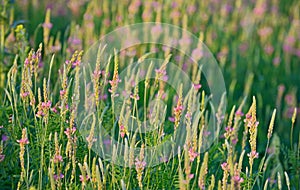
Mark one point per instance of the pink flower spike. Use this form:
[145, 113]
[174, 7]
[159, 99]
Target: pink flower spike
[239, 113]
[24, 94]
[192, 154]
[253, 154]
[47, 25]
[57, 158]
[48, 104]
[238, 179]
[81, 178]
[197, 86]
[172, 119]
[224, 166]
[2, 156]
[76, 63]
[122, 134]
[122, 127]
[23, 141]
[62, 92]
[54, 110]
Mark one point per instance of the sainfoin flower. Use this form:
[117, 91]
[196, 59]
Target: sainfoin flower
[253, 154]
[237, 179]
[122, 131]
[197, 54]
[57, 158]
[140, 165]
[43, 108]
[58, 177]
[192, 154]
[69, 131]
[135, 97]
[197, 86]
[156, 30]
[4, 138]
[23, 141]
[225, 166]
[239, 113]
[2, 157]
[81, 177]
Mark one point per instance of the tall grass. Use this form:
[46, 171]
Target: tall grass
[257, 47]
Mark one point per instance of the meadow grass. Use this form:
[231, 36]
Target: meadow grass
[42, 47]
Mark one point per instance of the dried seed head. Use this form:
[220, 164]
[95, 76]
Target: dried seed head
[271, 126]
[294, 116]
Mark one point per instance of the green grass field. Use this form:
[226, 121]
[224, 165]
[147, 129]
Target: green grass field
[158, 94]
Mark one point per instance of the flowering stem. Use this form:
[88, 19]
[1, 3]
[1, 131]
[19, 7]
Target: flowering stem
[291, 136]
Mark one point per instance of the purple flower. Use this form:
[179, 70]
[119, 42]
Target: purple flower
[107, 141]
[40, 113]
[259, 10]
[172, 119]
[228, 129]
[74, 41]
[185, 41]
[160, 72]
[197, 86]
[227, 8]
[156, 30]
[272, 181]
[269, 49]
[239, 113]
[191, 9]
[197, 54]
[2, 156]
[76, 63]
[237, 179]
[57, 158]
[281, 88]
[103, 97]
[243, 47]
[290, 40]
[175, 14]
[265, 31]
[297, 52]
[289, 99]
[4, 138]
[140, 164]
[70, 132]
[234, 141]
[47, 25]
[156, 4]
[163, 159]
[23, 141]
[288, 48]
[225, 166]
[206, 133]
[276, 61]
[81, 178]
[54, 109]
[253, 154]
[24, 94]
[62, 92]
[56, 177]
[192, 154]
[174, 4]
